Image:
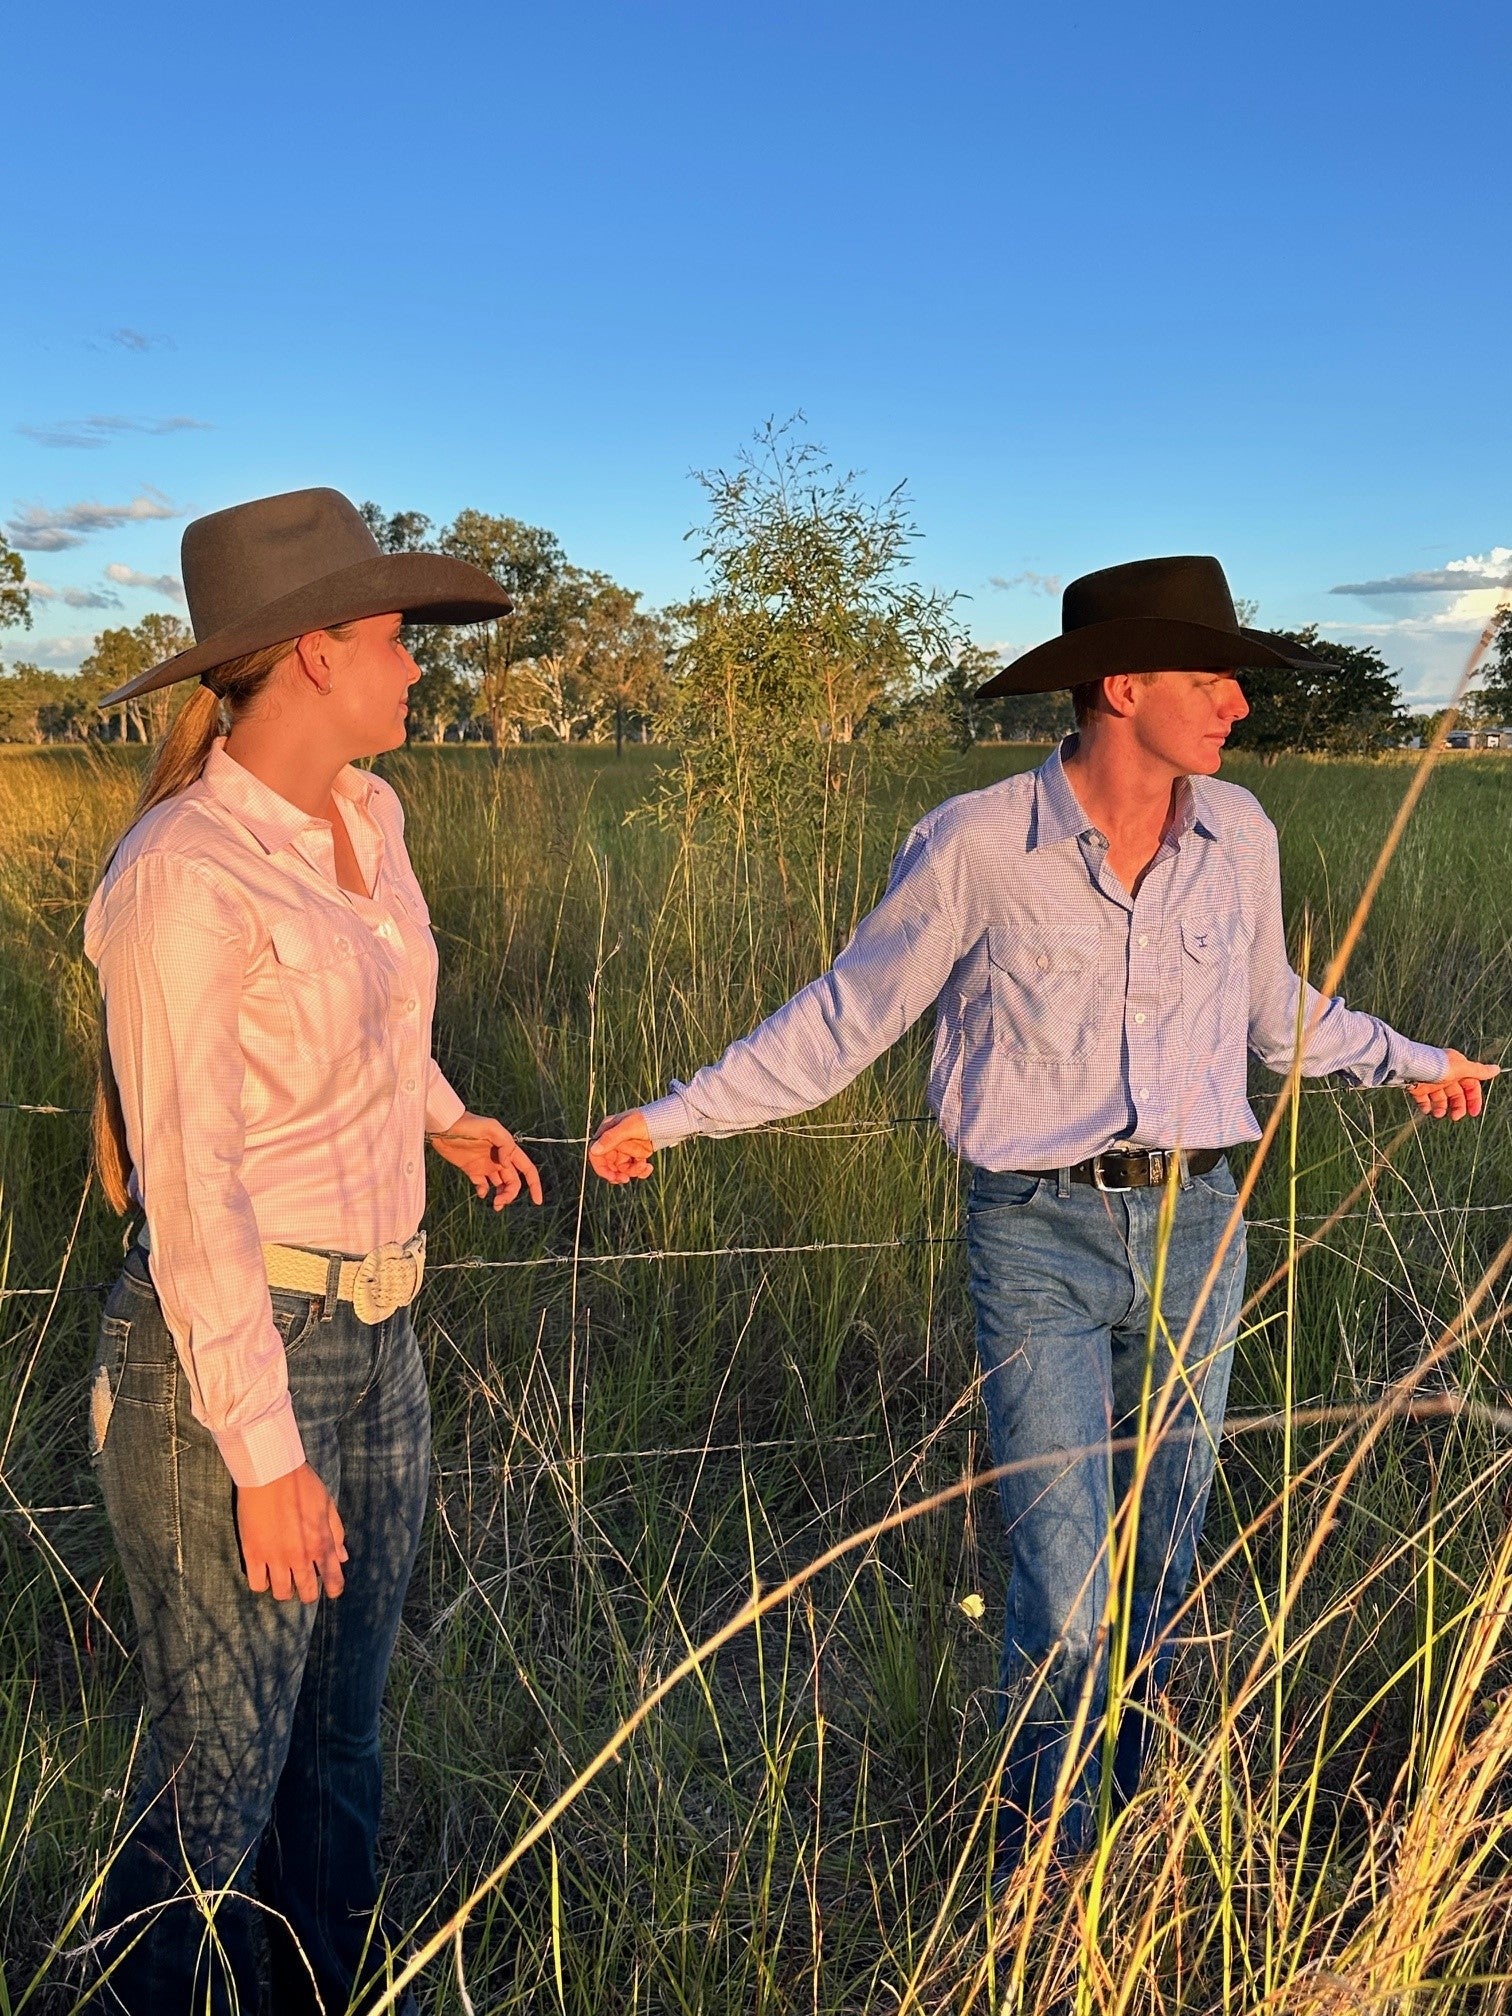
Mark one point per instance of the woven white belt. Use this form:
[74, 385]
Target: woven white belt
[380, 1282]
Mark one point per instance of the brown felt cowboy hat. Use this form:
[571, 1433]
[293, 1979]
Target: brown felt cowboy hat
[1173, 615]
[269, 571]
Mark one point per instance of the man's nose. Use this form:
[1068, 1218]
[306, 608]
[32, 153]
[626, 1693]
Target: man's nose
[1238, 706]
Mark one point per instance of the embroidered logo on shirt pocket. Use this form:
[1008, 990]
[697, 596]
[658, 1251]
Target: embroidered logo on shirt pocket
[1046, 989]
[334, 996]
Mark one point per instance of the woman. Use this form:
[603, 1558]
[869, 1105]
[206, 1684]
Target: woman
[258, 1411]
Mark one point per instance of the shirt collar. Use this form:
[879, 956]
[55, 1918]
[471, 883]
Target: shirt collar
[272, 821]
[1058, 813]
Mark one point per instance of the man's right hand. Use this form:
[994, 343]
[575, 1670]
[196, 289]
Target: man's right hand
[622, 1148]
[292, 1538]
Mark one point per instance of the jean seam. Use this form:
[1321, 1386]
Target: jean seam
[178, 1445]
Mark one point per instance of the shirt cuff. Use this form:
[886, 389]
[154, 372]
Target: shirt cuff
[443, 1108]
[670, 1120]
[265, 1451]
[1412, 1063]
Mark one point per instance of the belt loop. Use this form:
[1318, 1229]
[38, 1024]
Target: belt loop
[332, 1288]
[1186, 1170]
[1063, 1183]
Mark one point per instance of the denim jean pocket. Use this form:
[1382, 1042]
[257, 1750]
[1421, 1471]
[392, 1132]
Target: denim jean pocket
[295, 1315]
[1000, 1190]
[105, 1379]
[1220, 1181]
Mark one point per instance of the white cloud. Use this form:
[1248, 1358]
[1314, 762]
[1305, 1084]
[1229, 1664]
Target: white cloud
[60, 654]
[36, 529]
[74, 598]
[101, 428]
[1431, 618]
[160, 584]
[1460, 596]
[1477, 570]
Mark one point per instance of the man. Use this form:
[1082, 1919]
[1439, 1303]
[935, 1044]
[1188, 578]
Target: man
[1102, 939]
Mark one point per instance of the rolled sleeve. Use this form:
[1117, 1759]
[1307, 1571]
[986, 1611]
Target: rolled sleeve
[172, 983]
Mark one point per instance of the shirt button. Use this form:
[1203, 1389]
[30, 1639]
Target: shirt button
[1043, 963]
[409, 1084]
[1139, 1018]
[410, 1006]
[343, 944]
[409, 1168]
[1144, 1091]
[1144, 938]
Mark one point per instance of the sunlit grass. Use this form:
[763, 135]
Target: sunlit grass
[624, 1453]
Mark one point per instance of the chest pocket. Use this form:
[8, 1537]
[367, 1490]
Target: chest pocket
[336, 999]
[408, 906]
[1046, 989]
[1214, 985]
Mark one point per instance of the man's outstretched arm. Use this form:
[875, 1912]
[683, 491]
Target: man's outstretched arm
[816, 1043]
[1362, 1048]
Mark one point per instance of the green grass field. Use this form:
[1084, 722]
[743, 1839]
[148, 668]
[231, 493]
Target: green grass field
[625, 1447]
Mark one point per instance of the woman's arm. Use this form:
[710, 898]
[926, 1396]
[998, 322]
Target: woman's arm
[173, 970]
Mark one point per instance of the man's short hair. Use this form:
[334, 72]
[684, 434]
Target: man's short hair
[1087, 698]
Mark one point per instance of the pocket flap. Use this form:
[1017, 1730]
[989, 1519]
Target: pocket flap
[311, 945]
[1038, 954]
[1199, 939]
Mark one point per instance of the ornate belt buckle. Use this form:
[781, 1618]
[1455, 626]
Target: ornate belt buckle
[387, 1279]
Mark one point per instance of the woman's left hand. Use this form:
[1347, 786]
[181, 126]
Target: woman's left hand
[489, 1157]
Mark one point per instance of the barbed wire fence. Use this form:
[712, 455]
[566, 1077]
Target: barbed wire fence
[838, 1130]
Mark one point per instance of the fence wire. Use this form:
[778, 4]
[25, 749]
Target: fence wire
[476, 1263]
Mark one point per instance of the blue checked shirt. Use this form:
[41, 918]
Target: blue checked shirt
[1070, 1015]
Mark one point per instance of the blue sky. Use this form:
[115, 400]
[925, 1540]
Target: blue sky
[1097, 281]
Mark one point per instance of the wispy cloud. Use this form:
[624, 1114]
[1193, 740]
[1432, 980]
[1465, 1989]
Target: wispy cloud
[74, 598]
[1043, 584]
[102, 428]
[1478, 570]
[160, 584]
[37, 529]
[138, 339]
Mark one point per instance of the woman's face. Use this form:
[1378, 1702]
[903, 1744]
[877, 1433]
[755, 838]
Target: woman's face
[371, 676]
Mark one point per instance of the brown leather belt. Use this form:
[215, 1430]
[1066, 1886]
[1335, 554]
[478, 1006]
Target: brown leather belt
[1133, 1168]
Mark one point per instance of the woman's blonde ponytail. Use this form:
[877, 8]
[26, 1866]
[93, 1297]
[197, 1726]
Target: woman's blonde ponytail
[176, 763]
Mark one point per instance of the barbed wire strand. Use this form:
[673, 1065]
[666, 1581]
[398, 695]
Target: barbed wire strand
[479, 1263]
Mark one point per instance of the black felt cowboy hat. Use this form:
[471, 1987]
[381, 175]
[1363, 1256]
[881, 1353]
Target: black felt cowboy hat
[269, 571]
[1174, 615]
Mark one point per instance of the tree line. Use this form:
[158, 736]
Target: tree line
[809, 635]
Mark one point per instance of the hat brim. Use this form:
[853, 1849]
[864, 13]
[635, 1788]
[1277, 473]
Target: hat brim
[1144, 644]
[422, 587]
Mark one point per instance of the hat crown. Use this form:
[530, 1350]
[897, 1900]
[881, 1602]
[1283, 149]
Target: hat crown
[1186, 588]
[240, 560]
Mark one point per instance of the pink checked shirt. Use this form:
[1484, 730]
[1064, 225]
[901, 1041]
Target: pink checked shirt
[270, 1035]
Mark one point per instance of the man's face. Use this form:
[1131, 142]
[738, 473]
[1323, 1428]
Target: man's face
[1183, 718]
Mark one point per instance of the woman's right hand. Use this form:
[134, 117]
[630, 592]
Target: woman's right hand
[292, 1538]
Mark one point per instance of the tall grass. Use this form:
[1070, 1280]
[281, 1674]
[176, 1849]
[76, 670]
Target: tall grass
[627, 1451]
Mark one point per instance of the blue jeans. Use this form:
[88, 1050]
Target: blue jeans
[259, 1775]
[1061, 1277]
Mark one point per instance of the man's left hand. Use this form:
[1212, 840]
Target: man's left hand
[489, 1157]
[1458, 1093]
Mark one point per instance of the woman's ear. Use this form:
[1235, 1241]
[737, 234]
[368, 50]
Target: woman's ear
[313, 660]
